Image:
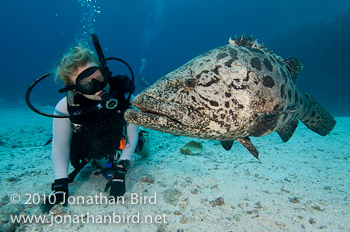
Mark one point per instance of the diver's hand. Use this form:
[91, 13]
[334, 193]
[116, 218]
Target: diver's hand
[59, 195]
[117, 182]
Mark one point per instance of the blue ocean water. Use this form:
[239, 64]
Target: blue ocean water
[157, 36]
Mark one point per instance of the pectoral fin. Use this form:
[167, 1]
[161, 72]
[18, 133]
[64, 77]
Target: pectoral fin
[247, 143]
[287, 131]
[288, 110]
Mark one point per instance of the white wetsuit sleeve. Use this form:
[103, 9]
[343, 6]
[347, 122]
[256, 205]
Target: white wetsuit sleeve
[132, 135]
[62, 135]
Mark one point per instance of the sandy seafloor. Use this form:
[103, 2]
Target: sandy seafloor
[302, 185]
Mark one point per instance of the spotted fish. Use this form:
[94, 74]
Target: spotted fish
[230, 93]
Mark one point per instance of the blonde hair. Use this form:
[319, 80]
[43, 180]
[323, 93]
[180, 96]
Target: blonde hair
[75, 57]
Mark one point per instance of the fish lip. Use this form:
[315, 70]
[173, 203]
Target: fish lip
[154, 112]
[150, 105]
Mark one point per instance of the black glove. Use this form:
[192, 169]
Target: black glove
[60, 194]
[117, 182]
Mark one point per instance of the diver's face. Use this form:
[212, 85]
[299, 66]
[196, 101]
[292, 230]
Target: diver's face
[80, 69]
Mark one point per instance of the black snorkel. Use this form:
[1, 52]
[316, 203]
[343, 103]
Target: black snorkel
[106, 100]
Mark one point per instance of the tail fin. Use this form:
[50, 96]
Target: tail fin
[317, 118]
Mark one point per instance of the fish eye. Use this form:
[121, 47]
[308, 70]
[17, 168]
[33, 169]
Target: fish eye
[189, 82]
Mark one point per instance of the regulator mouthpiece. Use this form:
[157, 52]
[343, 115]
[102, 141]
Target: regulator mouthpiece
[108, 102]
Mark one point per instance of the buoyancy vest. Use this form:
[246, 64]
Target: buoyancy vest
[97, 134]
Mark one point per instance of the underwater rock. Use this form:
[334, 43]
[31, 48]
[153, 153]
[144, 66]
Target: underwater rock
[147, 178]
[4, 200]
[172, 196]
[184, 220]
[294, 199]
[217, 202]
[194, 191]
[254, 211]
[162, 228]
[59, 210]
[177, 212]
[237, 217]
[312, 221]
[316, 207]
[191, 148]
[12, 179]
[5, 216]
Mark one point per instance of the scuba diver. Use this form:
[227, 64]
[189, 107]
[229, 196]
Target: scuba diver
[88, 123]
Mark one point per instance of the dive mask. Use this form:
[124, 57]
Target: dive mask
[90, 81]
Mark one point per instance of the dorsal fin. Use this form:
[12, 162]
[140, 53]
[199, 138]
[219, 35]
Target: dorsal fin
[294, 66]
[248, 42]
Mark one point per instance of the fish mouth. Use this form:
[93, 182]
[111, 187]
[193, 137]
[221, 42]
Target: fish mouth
[163, 116]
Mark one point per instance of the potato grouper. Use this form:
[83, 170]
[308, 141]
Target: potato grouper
[230, 93]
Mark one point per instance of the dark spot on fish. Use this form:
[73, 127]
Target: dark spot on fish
[247, 77]
[229, 63]
[268, 65]
[268, 81]
[263, 125]
[228, 94]
[214, 103]
[227, 104]
[216, 69]
[200, 64]
[255, 62]
[234, 101]
[234, 117]
[200, 74]
[233, 53]
[290, 95]
[277, 107]
[221, 56]
[212, 81]
[193, 98]
[313, 114]
[283, 93]
[222, 116]
[242, 87]
[240, 106]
